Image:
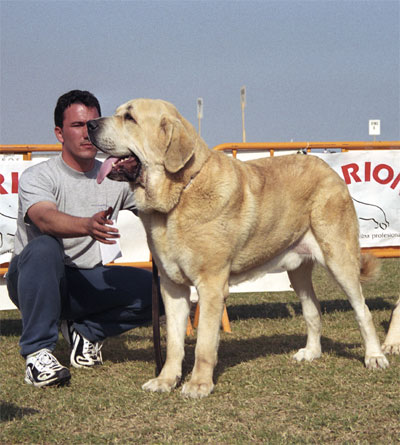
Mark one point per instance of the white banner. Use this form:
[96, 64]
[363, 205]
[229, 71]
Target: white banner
[10, 172]
[373, 178]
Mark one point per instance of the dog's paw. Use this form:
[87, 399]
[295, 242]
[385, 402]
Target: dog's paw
[307, 355]
[197, 390]
[391, 348]
[376, 362]
[160, 385]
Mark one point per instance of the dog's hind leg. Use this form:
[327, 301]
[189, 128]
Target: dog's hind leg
[302, 284]
[348, 278]
[342, 259]
[212, 293]
[176, 302]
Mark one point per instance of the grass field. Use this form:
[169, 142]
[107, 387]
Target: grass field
[262, 395]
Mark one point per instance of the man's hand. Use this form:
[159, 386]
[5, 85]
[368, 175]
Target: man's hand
[99, 229]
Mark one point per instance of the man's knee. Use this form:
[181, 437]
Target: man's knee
[44, 249]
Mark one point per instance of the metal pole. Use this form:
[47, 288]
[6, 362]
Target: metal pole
[243, 102]
[199, 112]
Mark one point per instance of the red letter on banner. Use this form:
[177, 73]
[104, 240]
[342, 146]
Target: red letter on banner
[3, 191]
[380, 167]
[14, 182]
[395, 182]
[353, 173]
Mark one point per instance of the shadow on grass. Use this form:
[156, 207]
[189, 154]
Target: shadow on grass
[285, 310]
[10, 327]
[9, 411]
[232, 351]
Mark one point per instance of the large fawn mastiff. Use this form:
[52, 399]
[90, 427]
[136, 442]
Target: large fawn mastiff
[212, 221]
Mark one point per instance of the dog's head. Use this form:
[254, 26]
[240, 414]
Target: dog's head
[143, 134]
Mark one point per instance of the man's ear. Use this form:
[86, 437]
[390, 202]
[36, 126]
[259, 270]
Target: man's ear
[179, 144]
[59, 134]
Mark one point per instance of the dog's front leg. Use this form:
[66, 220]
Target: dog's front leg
[176, 302]
[211, 301]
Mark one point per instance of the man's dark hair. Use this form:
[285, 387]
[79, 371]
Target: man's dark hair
[74, 97]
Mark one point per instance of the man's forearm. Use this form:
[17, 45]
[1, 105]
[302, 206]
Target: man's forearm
[51, 221]
[62, 225]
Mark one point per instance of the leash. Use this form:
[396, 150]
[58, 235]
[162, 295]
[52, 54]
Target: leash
[156, 295]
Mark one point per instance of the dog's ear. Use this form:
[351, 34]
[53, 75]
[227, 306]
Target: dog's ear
[179, 144]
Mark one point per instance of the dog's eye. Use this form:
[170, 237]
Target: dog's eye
[128, 117]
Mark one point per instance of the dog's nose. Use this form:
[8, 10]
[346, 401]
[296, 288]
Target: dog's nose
[92, 125]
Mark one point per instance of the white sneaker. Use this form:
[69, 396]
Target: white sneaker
[84, 354]
[43, 369]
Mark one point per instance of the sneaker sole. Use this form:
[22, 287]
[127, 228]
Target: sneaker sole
[56, 382]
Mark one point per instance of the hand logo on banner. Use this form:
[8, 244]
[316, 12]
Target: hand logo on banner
[372, 213]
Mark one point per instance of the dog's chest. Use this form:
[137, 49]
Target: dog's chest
[163, 244]
[171, 263]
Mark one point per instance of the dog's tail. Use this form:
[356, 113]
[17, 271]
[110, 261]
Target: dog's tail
[370, 267]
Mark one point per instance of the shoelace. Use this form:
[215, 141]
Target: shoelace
[92, 349]
[45, 360]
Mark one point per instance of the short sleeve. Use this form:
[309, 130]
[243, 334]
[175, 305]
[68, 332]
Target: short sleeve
[35, 185]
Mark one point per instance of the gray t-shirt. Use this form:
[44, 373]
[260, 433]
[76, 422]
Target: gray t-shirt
[74, 193]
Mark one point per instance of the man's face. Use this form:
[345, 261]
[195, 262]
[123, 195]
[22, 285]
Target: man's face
[78, 152]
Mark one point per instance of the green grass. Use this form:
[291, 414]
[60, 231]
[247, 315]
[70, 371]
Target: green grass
[261, 394]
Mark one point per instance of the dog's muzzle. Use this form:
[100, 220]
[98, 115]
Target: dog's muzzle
[120, 169]
[125, 168]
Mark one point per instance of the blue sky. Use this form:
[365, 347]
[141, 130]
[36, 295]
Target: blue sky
[313, 70]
